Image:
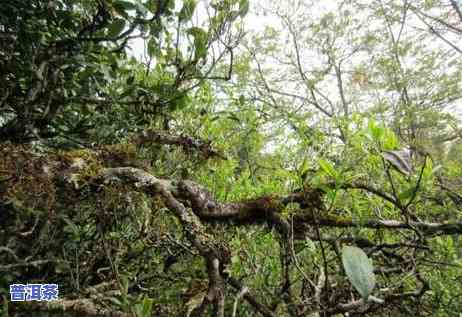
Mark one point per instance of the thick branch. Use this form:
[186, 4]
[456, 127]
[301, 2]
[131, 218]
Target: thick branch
[216, 256]
[186, 142]
[261, 209]
[429, 228]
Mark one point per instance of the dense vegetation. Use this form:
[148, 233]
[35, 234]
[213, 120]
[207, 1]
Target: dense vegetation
[227, 158]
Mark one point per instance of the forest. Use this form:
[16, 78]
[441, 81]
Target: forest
[230, 158]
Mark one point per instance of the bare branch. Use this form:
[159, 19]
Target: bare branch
[186, 142]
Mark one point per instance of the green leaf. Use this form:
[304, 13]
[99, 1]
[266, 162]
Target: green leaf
[130, 80]
[428, 4]
[115, 301]
[187, 11]
[200, 41]
[430, 171]
[233, 15]
[241, 100]
[153, 48]
[116, 27]
[124, 285]
[304, 167]
[141, 8]
[126, 5]
[376, 131]
[243, 7]
[327, 168]
[390, 141]
[138, 310]
[121, 7]
[71, 227]
[406, 194]
[359, 270]
[147, 306]
[331, 194]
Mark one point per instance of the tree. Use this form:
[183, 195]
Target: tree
[222, 173]
[66, 66]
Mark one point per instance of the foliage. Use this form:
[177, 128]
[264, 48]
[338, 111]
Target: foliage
[157, 160]
[359, 270]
